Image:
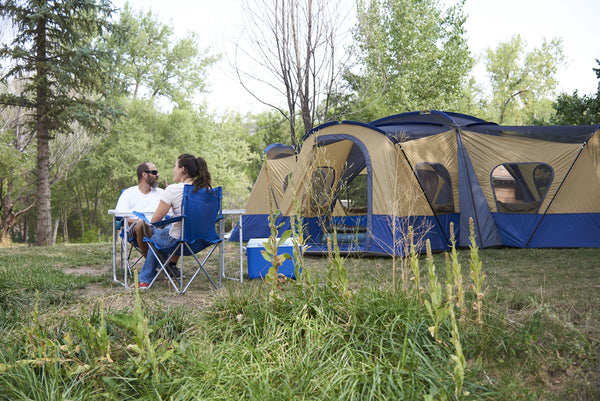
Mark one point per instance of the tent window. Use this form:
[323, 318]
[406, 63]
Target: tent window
[286, 181]
[437, 185]
[322, 185]
[521, 187]
[542, 176]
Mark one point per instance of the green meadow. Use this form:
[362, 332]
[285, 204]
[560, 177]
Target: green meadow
[526, 326]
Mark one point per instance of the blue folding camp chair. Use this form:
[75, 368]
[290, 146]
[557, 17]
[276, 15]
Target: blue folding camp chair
[129, 254]
[132, 245]
[201, 210]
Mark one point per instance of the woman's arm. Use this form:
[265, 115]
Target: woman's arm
[161, 212]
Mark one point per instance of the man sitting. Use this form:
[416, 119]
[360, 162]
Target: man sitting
[143, 197]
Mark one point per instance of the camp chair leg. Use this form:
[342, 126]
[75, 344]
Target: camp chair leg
[201, 267]
[178, 285]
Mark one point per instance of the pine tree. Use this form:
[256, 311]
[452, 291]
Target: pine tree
[55, 52]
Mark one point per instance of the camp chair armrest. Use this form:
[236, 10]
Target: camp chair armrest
[167, 221]
[141, 216]
[163, 222]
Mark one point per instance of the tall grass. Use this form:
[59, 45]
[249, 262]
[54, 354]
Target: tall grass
[316, 341]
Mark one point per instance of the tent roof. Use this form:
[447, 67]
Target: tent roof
[443, 118]
[328, 124]
[413, 125]
[279, 151]
[556, 133]
[418, 124]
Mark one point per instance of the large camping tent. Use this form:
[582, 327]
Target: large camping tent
[366, 184]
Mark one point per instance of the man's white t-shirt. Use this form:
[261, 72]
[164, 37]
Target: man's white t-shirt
[132, 199]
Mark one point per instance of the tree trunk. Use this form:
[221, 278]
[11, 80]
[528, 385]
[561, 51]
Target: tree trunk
[55, 231]
[65, 226]
[5, 239]
[43, 232]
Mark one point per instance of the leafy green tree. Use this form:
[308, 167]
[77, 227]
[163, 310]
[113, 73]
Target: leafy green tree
[412, 55]
[575, 109]
[522, 82]
[152, 62]
[54, 51]
[149, 134]
[153, 66]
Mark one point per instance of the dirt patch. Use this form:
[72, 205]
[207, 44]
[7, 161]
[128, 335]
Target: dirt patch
[86, 270]
[199, 296]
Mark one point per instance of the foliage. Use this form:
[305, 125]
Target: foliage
[17, 167]
[521, 81]
[148, 134]
[148, 354]
[272, 255]
[536, 342]
[299, 231]
[152, 63]
[66, 82]
[438, 311]
[578, 110]
[476, 274]
[456, 278]
[414, 264]
[412, 55]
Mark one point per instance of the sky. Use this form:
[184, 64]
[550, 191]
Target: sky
[489, 23]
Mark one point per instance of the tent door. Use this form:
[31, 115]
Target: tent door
[342, 191]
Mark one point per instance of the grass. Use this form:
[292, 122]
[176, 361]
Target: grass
[68, 332]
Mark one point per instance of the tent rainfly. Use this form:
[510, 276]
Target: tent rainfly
[420, 175]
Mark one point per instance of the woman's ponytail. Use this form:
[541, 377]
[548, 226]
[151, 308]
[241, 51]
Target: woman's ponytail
[203, 179]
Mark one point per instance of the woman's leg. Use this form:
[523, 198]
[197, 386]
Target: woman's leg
[162, 239]
[149, 269]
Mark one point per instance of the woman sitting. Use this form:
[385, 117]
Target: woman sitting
[188, 170]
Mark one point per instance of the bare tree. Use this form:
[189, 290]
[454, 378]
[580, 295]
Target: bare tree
[291, 47]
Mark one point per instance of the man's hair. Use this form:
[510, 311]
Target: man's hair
[141, 169]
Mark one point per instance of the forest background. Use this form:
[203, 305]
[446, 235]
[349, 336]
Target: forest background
[136, 96]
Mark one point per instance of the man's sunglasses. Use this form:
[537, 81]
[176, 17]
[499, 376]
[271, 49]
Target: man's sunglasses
[153, 172]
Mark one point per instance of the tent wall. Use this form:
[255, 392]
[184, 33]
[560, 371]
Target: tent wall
[567, 216]
[266, 194]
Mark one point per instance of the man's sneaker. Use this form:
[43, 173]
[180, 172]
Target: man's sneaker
[141, 286]
[174, 271]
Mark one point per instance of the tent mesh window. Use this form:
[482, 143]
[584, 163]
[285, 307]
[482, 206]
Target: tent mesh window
[286, 181]
[520, 187]
[322, 189]
[353, 195]
[437, 186]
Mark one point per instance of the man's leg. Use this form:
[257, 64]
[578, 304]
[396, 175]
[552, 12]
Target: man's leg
[139, 237]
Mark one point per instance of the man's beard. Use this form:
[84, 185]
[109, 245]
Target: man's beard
[153, 182]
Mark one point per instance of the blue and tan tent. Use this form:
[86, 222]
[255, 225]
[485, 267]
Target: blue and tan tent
[371, 186]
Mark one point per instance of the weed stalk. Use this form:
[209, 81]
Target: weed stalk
[477, 276]
[435, 305]
[457, 275]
